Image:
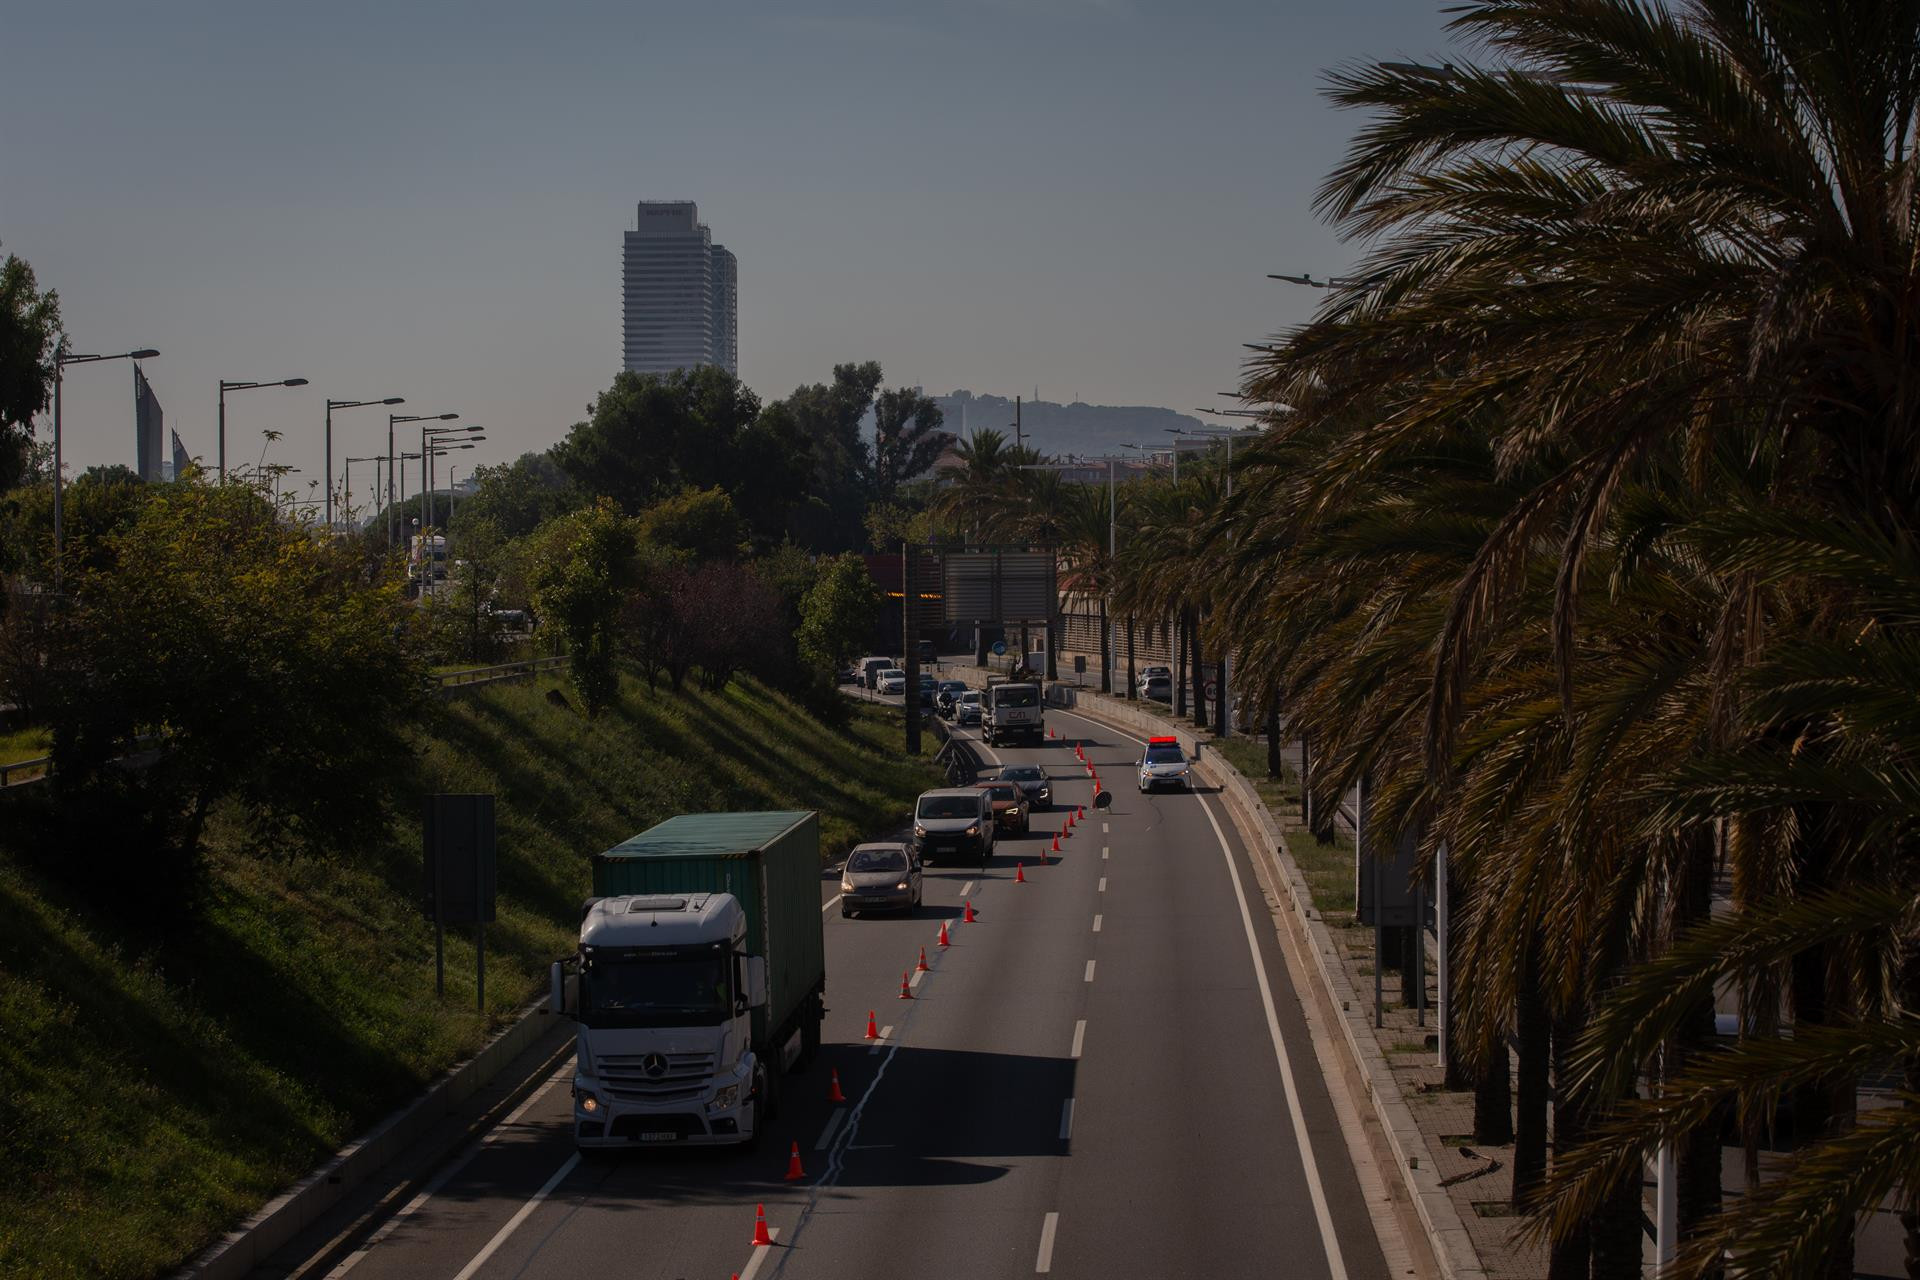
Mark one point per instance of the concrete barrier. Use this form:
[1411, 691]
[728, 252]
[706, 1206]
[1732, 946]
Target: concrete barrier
[301, 1205]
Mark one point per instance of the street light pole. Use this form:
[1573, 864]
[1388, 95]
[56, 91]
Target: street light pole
[433, 440]
[392, 418]
[344, 404]
[226, 386]
[61, 359]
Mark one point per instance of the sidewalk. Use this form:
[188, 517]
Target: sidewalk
[1460, 1189]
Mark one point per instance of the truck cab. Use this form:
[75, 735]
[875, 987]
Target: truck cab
[1013, 711]
[665, 995]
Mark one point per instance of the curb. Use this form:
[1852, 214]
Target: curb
[278, 1221]
[1447, 1235]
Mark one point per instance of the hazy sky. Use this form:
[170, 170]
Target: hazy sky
[428, 200]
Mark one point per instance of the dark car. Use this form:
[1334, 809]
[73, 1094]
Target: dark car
[1009, 805]
[1032, 781]
[880, 877]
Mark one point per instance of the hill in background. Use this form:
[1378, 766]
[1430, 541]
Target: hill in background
[1077, 428]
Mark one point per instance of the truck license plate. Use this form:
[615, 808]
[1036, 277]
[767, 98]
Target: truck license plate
[668, 1136]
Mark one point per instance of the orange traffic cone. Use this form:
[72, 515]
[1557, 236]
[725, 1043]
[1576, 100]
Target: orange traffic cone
[922, 966]
[1069, 825]
[1056, 842]
[833, 1088]
[1019, 873]
[794, 1171]
[1082, 812]
[906, 989]
[760, 1236]
[968, 918]
[943, 933]
[873, 1029]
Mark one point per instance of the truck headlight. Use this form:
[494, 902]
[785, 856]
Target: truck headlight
[587, 1101]
[973, 830]
[901, 885]
[724, 1098]
[919, 832]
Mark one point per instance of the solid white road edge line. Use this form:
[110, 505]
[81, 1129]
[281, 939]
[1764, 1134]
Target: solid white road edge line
[1079, 1036]
[1329, 1239]
[1044, 1262]
[446, 1175]
[825, 906]
[521, 1215]
[760, 1252]
[833, 1123]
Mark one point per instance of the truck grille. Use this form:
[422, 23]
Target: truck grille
[685, 1075]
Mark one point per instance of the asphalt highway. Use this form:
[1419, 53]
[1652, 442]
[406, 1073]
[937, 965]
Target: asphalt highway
[1106, 1075]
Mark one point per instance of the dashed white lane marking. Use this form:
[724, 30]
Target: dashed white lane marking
[886, 1033]
[966, 889]
[1066, 1119]
[1330, 1241]
[524, 1212]
[760, 1253]
[1103, 885]
[1096, 924]
[1079, 1036]
[1106, 828]
[833, 1125]
[918, 974]
[1089, 971]
[825, 906]
[1105, 852]
[1043, 1263]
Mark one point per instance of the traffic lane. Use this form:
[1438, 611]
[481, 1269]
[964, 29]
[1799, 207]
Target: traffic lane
[957, 1157]
[1173, 873]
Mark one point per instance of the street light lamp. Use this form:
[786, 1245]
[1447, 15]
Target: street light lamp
[434, 440]
[393, 418]
[344, 404]
[61, 359]
[226, 386]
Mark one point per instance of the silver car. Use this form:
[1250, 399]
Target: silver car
[880, 877]
[967, 707]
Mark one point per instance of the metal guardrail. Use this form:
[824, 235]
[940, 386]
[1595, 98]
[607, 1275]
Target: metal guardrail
[35, 770]
[502, 671]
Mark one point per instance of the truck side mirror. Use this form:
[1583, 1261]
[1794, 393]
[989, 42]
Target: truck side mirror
[756, 981]
[557, 989]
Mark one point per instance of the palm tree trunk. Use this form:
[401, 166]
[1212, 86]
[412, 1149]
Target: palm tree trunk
[1698, 1158]
[1106, 651]
[1132, 693]
[1180, 634]
[1535, 1035]
[1199, 677]
[1821, 1110]
[1571, 1257]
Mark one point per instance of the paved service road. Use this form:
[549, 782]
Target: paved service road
[1106, 1075]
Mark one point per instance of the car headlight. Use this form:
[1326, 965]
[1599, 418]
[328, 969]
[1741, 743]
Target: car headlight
[919, 831]
[846, 885]
[901, 885]
[724, 1097]
[973, 830]
[1043, 794]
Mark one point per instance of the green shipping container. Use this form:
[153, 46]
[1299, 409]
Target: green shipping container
[770, 862]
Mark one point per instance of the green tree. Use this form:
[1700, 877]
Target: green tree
[515, 497]
[29, 332]
[651, 435]
[827, 417]
[583, 566]
[700, 524]
[907, 439]
[244, 662]
[837, 615]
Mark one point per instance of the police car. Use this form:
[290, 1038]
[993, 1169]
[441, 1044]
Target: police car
[1165, 764]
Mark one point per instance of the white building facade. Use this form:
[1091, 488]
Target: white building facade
[680, 293]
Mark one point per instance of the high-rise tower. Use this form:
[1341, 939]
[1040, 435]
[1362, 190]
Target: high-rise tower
[679, 291]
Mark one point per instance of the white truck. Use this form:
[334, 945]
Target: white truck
[1013, 711]
[699, 979]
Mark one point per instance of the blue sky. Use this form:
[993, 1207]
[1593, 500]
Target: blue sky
[427, 200]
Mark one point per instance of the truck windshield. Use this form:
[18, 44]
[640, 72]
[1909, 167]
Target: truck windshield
[656, 989]
[949, 807]
[1023, 695]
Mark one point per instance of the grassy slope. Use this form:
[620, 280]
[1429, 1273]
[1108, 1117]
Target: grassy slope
[1327, 867]
[153, 1092]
